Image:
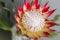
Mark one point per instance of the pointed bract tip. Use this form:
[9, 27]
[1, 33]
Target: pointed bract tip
[35, 4]
[50, 12]
[45, 9]
[51, 30]
[35, 1]
[19, 9]
[16, 16]
[38, 6]
[45, 4]
[26, 6]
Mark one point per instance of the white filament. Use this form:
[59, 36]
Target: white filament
[33, 21]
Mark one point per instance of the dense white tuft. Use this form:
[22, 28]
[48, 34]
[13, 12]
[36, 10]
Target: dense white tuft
[33, 21]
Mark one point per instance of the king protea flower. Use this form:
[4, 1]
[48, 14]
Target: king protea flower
[32, 20]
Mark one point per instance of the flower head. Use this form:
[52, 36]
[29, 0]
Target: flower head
[32, 20]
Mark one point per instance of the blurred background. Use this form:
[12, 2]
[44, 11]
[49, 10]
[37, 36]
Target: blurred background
[8, 9]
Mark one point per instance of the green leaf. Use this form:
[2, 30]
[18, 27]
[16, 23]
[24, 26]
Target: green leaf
[56, 17]
[53, 34]
[8, 11]
[4, 25]
[3, 3]
[8, 14]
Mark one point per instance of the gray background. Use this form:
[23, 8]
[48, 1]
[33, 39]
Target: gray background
[4, 35]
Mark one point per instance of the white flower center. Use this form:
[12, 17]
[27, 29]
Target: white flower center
[33, 21]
